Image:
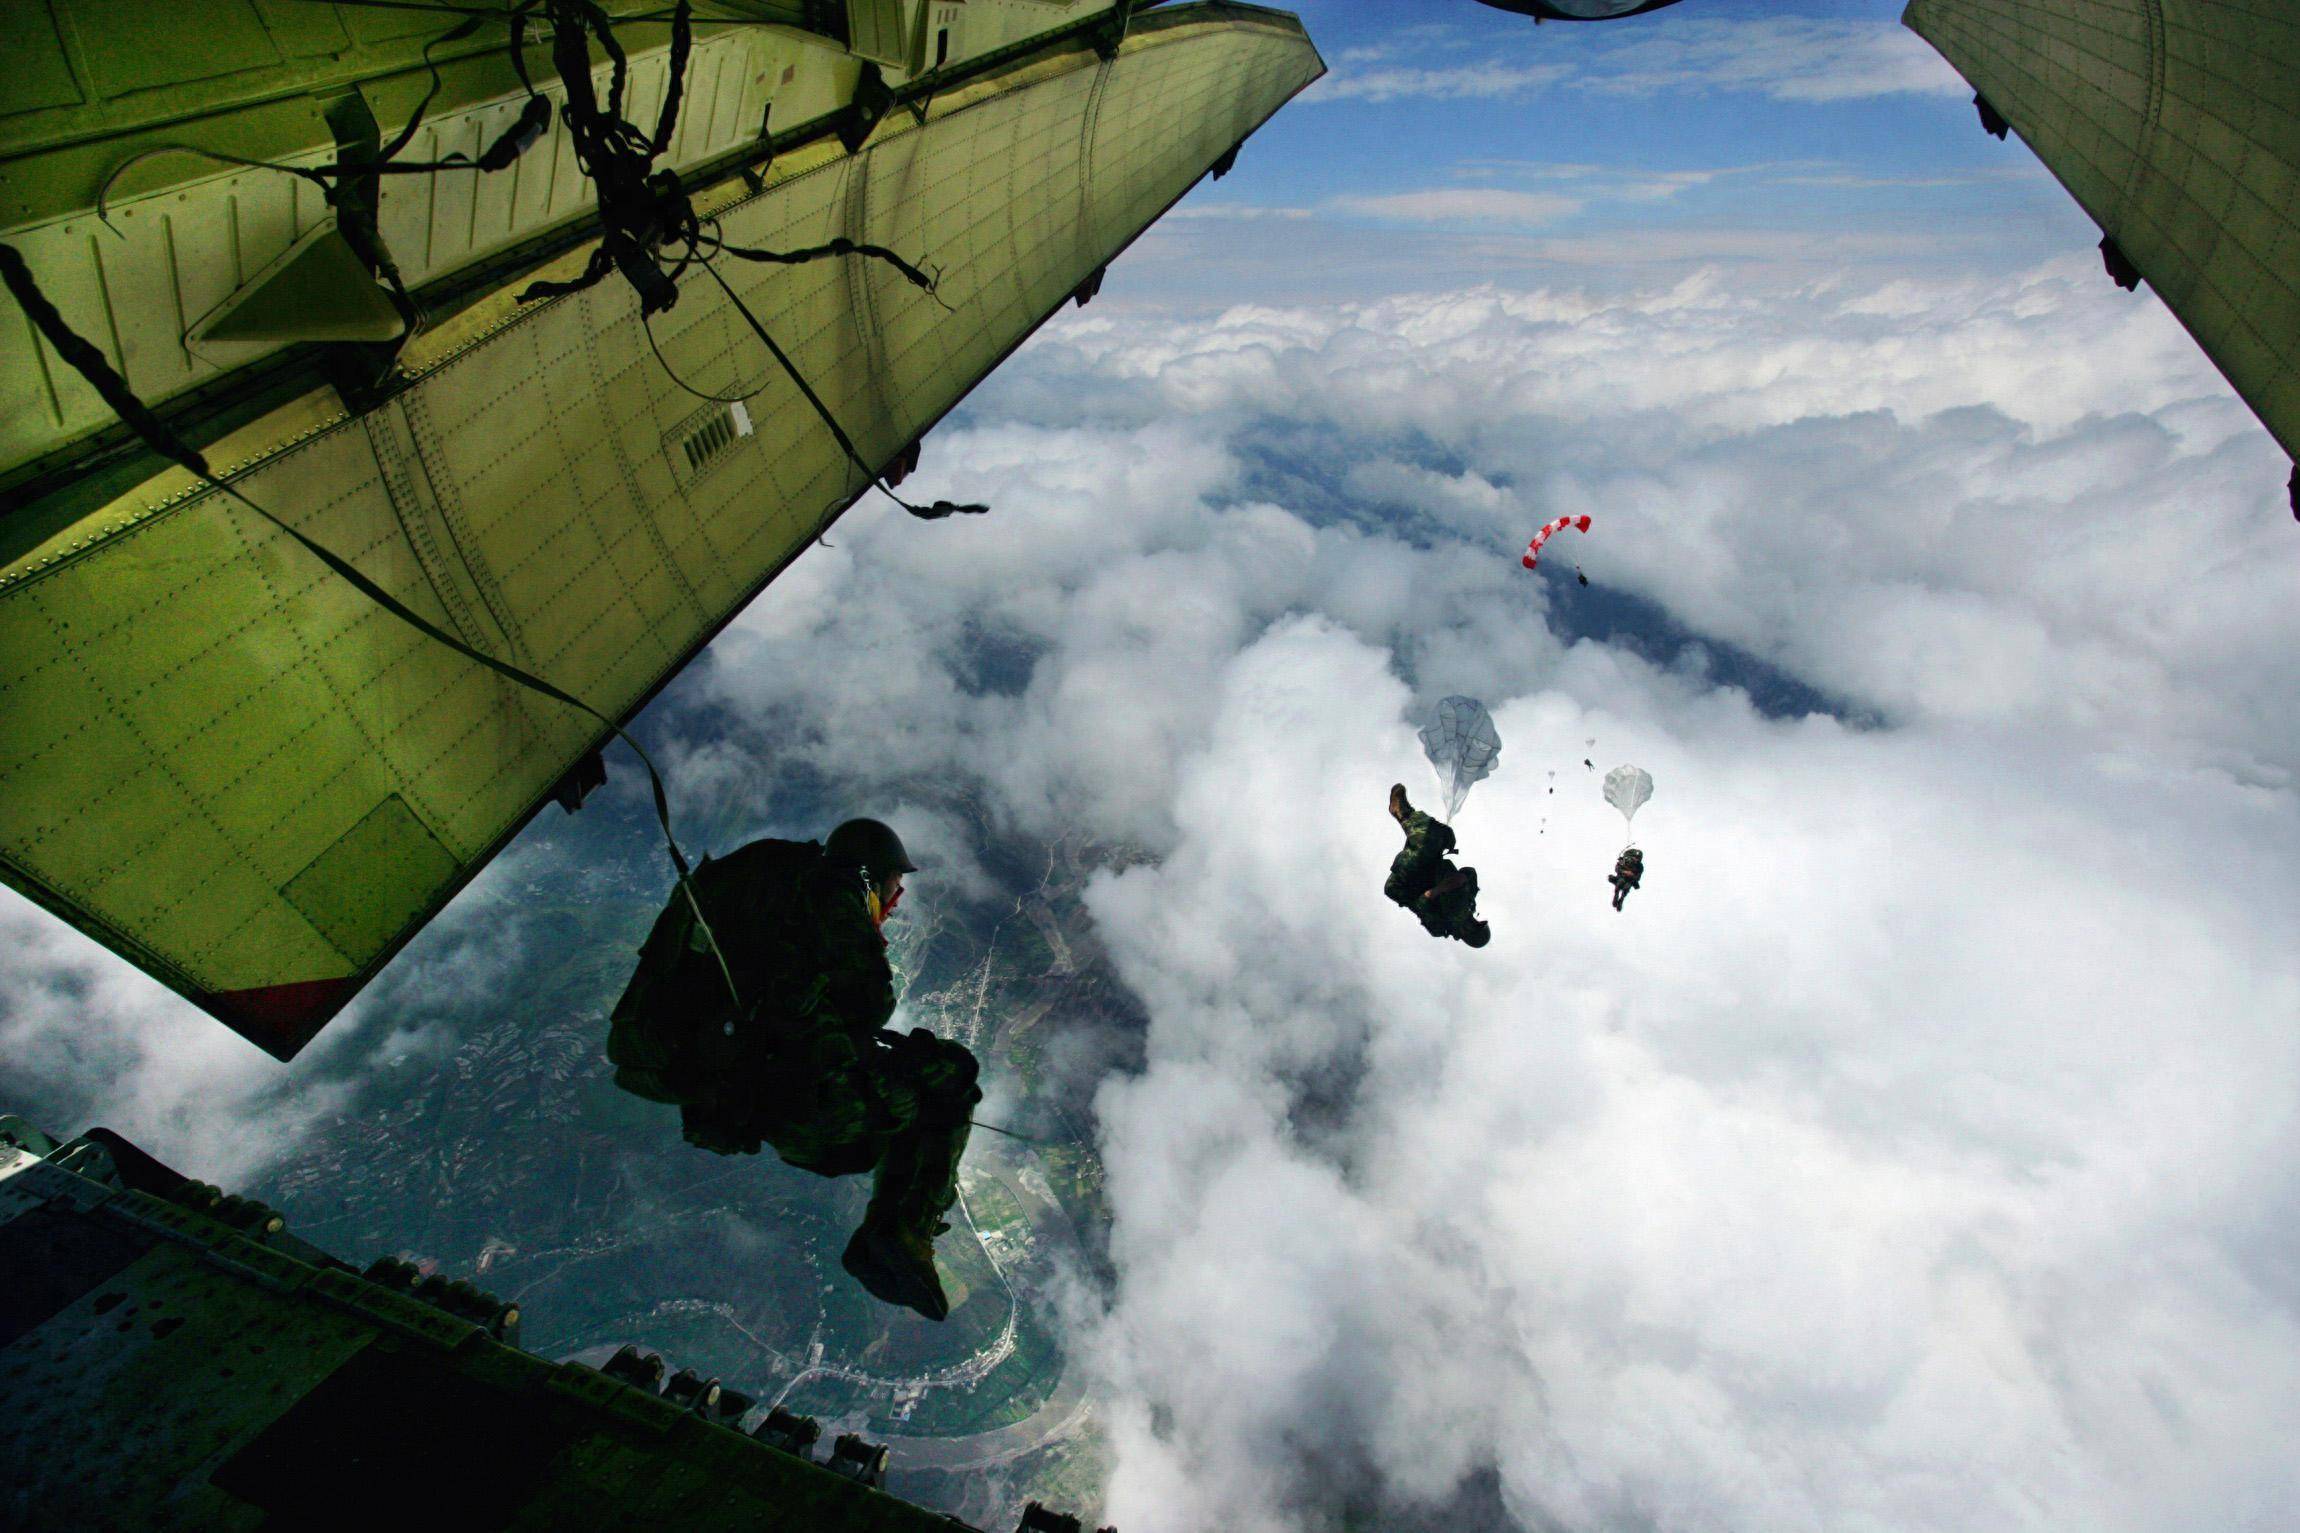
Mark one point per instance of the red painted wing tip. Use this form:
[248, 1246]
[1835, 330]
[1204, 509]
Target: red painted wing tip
[280, 1019]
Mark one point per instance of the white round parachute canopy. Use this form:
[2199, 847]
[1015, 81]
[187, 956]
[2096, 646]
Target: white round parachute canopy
[1626, 789]
[1462, 746]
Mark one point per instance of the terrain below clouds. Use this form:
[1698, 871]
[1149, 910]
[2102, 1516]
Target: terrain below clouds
[1912, 1152]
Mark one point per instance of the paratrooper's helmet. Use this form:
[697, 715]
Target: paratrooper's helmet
[874, 845]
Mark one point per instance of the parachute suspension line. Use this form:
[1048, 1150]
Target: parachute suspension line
[940, 508]
[1009, 1133]
[91, 364]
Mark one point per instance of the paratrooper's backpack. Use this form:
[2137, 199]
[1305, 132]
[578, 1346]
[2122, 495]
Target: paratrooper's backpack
[677, 1029]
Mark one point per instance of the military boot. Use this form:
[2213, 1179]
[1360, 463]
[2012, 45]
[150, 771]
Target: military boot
[896, 1265]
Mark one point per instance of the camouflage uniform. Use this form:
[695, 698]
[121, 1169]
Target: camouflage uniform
[806, 1066]
[1417, 868]
[1628, 873]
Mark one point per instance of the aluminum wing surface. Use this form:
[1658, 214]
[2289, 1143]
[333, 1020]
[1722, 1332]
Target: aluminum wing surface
[152, 278]
[228, 765]
[2176, 125]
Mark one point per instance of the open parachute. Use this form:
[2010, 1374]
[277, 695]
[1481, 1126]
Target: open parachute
[1549, 530]
[1626, 789]
[1463, 747]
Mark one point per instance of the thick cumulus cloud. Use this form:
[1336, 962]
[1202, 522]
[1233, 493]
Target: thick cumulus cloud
[1913, 1152]
[1065, 651]
[1904, 1156]
[1968, 500]
[86, 1039]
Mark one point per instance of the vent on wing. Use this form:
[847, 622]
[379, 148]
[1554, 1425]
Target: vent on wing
[699, 443]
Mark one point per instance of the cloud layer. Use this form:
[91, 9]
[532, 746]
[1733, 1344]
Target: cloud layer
[1783, 58]
[1914, 1151]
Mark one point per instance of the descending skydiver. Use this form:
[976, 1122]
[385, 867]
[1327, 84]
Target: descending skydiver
[1442, 897]
[1628, 873]
[775, 1032]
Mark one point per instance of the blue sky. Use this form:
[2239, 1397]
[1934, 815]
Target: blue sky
[1453, 139]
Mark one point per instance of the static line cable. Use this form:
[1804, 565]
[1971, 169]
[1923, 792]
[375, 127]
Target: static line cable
[533, 121]
[92, 365]
[1009, 1133]
[939, 509]
[647, 323]
[454, 34]
[837, 247]
[640, 207]
[924, 281]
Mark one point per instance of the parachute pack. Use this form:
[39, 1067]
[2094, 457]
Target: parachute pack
[674, 1031]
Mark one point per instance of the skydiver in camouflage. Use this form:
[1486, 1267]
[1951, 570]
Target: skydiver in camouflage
[1628, 873]
[802, 1061]
[1441, 896]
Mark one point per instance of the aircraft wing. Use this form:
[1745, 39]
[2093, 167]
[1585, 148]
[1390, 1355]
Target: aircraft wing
[2175, 124]
[226, 764]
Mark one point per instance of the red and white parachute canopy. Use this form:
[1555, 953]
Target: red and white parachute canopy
[1533, 549]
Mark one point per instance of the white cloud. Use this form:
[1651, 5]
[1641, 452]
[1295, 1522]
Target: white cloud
[1911, 493]
[1450, 205]
[1238, 210]
[1484, 79]
[1788, 58]
[1785, 58]
[83, 1032]
[1911, 1153]
[1863, 1175]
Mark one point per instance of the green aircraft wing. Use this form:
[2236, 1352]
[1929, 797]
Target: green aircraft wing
[230, 766]
[2176, 125]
